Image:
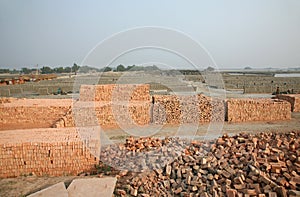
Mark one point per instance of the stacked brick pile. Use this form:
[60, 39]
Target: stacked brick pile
[38, 112]
[242, 110]
[265, 164]
[66, 120]
[173, 109]
[105, 114]
[293, 99]
[7, 100]
[115, 92]
[44, 152]
[109, 105]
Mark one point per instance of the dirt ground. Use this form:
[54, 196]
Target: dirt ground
[212, 130]
[12, 126]
[22, 186]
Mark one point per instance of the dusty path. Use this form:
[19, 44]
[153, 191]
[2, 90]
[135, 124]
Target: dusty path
[208, 130]
[22, 186]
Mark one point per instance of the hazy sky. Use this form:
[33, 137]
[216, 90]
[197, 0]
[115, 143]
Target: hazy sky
[236, 33]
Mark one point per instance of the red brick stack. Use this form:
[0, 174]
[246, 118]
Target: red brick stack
[50, 152]
[30, 112]
[106, 114]
[293, 99]
[243, 110]
[115, 92]
[173, 109]
[109, 105]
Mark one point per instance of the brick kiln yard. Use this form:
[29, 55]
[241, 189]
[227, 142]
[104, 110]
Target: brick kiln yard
[263, 160]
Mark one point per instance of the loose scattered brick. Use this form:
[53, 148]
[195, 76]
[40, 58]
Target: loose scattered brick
[211, 168]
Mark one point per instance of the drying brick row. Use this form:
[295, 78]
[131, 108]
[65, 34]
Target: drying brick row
[173, 109]
[7, 99]
[115, 92]
[105, 114]
[293, 99]
[33, 111]
[242, 110]
[44, 158]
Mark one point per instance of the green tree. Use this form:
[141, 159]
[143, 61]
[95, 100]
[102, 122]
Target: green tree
[120, 68]
[130, 68]
[59, 70]
[210, 69]
[14, 71]
[25, 70]
[4, 70]
[107, 69]
[75, 68]
[67, 69]
[46, 70]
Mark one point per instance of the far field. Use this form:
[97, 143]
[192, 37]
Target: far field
[236, 83]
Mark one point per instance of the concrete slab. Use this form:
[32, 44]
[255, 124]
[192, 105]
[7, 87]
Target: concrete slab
[92, 187]
[58, 190]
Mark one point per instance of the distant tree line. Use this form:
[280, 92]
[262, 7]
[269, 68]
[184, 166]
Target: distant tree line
[6, 70]
[68, 69]
[122, 68]
[43, 70]
[75, 68]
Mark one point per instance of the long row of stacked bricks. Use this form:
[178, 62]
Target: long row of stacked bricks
[113, 105]
[60, 151]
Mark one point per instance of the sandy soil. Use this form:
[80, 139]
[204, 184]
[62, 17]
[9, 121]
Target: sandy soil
[23, 186]
[209, 130]
[9, 126]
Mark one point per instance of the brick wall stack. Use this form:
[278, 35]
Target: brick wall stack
[173, 109]
[109, 105]
[52, 152]
[242, 110]
[23, 113]
[115, 92]
[293, 99]
[7, 100]
[105, 114]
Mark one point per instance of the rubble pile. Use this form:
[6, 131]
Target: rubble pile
[140, 155]
[265, 164]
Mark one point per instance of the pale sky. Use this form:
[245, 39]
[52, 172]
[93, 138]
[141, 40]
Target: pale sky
[237, 33]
